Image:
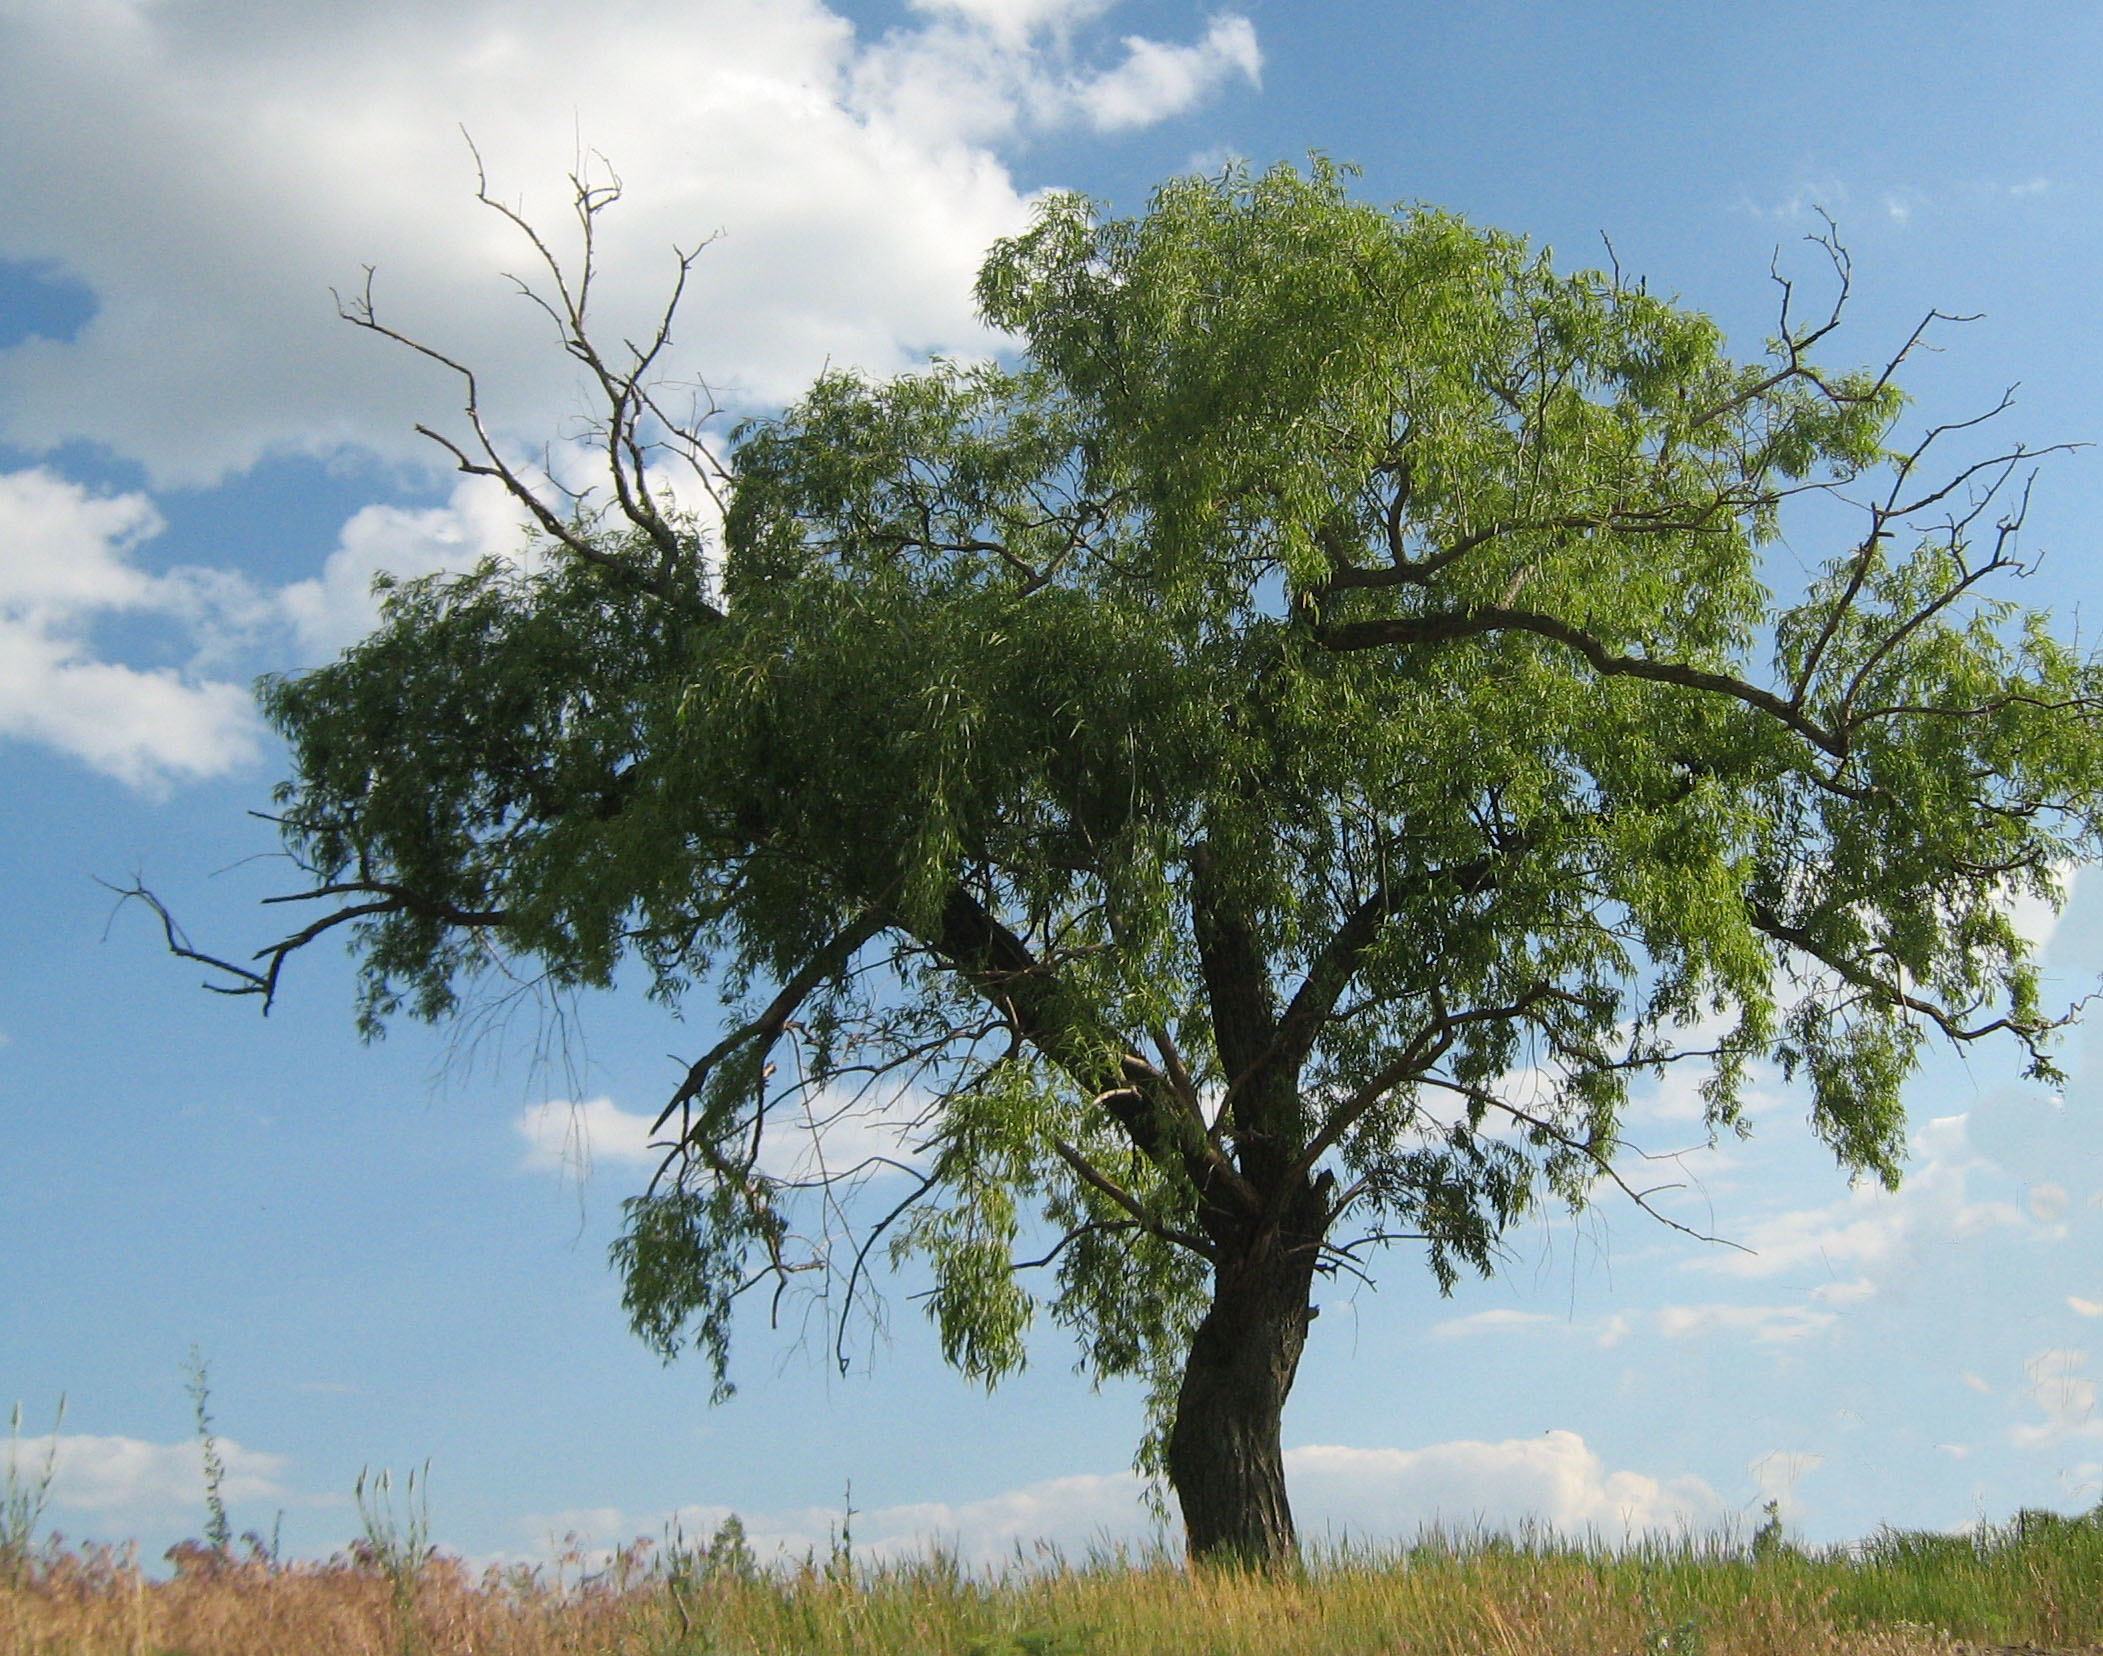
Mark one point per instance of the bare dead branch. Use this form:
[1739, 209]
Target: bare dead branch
[632, 422]
[386, 899]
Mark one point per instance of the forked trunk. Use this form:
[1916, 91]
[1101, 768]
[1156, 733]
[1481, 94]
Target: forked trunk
[1225, 1459]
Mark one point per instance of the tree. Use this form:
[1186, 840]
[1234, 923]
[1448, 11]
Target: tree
[1200, 767]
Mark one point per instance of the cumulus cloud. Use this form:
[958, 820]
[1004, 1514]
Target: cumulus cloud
[1071, 1514]
[2037, 918]
[141, 1481]
[988, 69]
[1156, 80]
[1016, 20]
[337, 608]
[70, 567]
[211, 177]
[68, 564]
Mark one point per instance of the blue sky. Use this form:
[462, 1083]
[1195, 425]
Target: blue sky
[394, 1254]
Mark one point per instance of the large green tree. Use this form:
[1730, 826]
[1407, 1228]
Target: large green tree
[1202, 764]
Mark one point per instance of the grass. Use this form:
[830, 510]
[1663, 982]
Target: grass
[2036, 1583]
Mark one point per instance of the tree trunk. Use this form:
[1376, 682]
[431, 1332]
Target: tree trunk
[1225, 1460]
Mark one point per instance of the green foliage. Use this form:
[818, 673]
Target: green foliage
[1290, 748]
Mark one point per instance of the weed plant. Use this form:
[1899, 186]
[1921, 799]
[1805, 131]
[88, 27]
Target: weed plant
[24, 1497]
[2033, 1584]
[397, 1549]
[218, 1531]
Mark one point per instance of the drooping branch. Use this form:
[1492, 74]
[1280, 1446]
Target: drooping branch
[1602, 1161]
[861, 1260]
[2031, 1032]
[767, 1028]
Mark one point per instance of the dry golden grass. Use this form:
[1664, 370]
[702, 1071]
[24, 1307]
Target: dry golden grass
[1491, 1598]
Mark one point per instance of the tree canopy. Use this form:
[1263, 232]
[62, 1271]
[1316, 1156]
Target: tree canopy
[1255, 776]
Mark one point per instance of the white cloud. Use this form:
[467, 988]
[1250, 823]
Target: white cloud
[68, 567]
[985, 69]
[2048, 1202]
[2084, 1307]
[66, 563]
[2065, 1394]
[1502, 1320]
[1871, 1229]
[337, 607]
[211, 177]
[839, 1132]
[1016, 20]
[1156, 81]
[1805, 200]
[1977, 1384]
[143, 1480]
[1070, 1513]
[1844, 1293]
[2036, 919]
[1769, 1324]
[566, 1137]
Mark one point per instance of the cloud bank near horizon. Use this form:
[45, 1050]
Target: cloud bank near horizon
[1339, 1493]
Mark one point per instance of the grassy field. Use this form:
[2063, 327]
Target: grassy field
[2035, 1584]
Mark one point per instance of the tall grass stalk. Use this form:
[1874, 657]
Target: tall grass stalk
[26, 1498]
[399, 1549]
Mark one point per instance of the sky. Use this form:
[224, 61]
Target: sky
[394, 1255]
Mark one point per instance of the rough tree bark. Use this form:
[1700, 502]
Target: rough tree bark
[1226, 1458]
